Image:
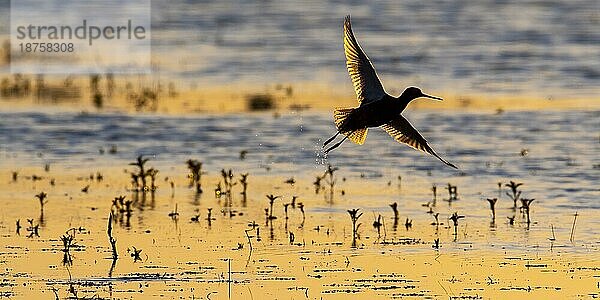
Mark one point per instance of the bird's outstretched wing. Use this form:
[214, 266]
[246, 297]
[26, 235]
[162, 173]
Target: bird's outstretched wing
[366, 82]
[403, 132]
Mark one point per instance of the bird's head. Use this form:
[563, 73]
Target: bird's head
[412, 93]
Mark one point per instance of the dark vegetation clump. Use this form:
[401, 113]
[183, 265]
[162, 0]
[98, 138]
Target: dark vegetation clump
[260, 102]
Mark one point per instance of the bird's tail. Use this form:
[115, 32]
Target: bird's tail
[357, 136]
[340, 115]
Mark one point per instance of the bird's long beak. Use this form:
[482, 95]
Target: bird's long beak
[432, 97]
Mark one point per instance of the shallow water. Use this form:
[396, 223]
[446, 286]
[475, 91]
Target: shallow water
[190, 259]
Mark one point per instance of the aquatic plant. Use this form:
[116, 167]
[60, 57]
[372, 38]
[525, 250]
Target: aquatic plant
[492, 202]
[511, 220]
[140, 163]
[354, 216]
[515, 192]
[285, 209]
[272, 199]
[434, 191]
[429, 206]
[111, 239]
[174, 215]
[15, 175]
[317, 183]
[437, 220]
[455, 217]
[499, 189]
[195, 175]
[244, 183]
[18, 227]
[68, 240]
[218, 190]
[209, 218]
[452, 192]
[291, 181]
[377, 225]
[42, 198]
[152, 172]
[408, 224]
[573, 227]
[301, 207]
[34, 230]
[135, 254]
[525, 204]
[98, 100]
[394, 207]
[228, 182]
[195, 218]
[330, 180]
[436, 244]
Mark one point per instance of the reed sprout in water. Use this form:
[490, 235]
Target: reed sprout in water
[525, 205]
[354, 216]
[42, 198]
[492, 202]
[272, 199]
[111, 238]
[514, 188]
[455, 217]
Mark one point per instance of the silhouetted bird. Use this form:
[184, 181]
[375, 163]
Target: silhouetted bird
[377, 108]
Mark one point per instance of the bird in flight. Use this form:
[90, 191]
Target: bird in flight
[376, 107]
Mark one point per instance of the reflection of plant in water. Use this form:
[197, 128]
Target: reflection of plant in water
[354, 216]
[121, 207]
[34, 230]
[515, 192]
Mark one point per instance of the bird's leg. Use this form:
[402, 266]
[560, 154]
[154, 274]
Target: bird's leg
[336, 145]
[331, 139]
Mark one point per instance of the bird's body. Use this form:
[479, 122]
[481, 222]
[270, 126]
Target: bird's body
[374, 114]
[377, 108]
